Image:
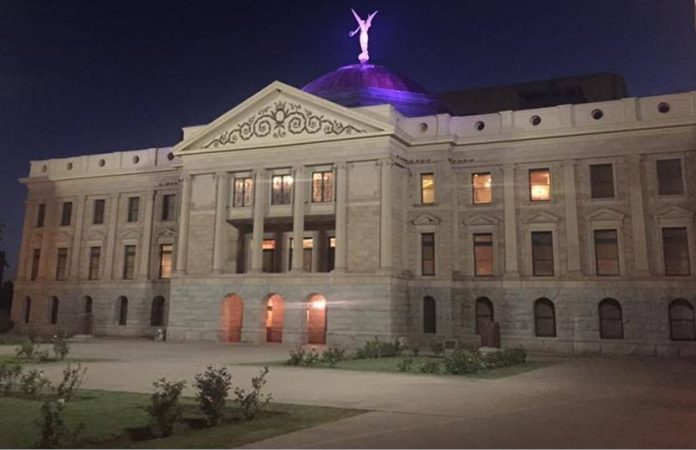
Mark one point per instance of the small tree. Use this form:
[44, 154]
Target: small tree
[213, 387]
[72, 380]
[61, 348]
[254, 401]
[164, 408]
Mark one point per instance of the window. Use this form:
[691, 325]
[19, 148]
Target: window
[165, 265]
[27, 309]
[331, 255]
[268, 248]
[322, 187]
[484, 312]
[427, 188]
[428, 254]
[122, 311]
[61, 264]
[606, 252]
[602, 180]
[35, 260]
[307, 246]
[675, 246]
[681, 321]
[542, 253]
[539, 185]
[544, 318]
[482, 183]
[98, 214]
[41, 215]
[88, 304]
[669, 177]
[243, 192]
[282, 189]
[610, 319]
[133, 209]
[157, 312]
[54, 310]
[483, 254]
[129, 262]
[429, 316]
[94, 260]
[168, 207]
[66, 214]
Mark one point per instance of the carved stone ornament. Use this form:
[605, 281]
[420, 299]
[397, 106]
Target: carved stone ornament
[279, 120]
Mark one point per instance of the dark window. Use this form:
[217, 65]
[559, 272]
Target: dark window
[41, 215]
[66, 214]
[268, 247]
[429, 316]
[669, 177]
[88, 305]
[165, 266]
[35, 260]
[281, 189]
[484, 312]
[602, 180]
[427, 188]
[481, 183]
[157, 312]
[133, 209]
[27, 309]
[322, 187]
[610, 319]
[61, 264]
[544, 318]
[98, 216]
[168, 207]
[681, 321]
[122, 310]
[428, 254]
[542, 253]
[129, 262]
[94, 260]
[307, 247]
[675, 246]
[606, 252]
[243, 192]
[483, 254]
[54, 310]
[540, 185]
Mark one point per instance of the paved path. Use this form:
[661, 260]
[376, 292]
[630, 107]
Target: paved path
[581, 402]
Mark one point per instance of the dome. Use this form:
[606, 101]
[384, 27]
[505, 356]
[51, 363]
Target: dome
[368, 84]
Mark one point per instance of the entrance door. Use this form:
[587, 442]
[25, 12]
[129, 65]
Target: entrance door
[316, 320]
[274, 319]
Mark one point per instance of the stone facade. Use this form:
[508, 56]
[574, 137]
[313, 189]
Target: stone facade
[367, 252]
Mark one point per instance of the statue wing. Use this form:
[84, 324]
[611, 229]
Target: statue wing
[370, 17]
[357, 17]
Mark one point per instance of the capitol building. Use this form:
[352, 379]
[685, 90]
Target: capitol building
[363, 206]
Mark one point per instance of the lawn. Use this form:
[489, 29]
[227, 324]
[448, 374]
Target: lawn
[12, 359]
[112, 419]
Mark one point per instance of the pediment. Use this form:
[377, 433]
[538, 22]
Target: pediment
[129, 234]
[605, 215]
[35, 240]
[280, 115]
[166, 233]
[541, 217]
[62, 237]
[95, 236]
[426, 219]
[675, 212]
[480, 219]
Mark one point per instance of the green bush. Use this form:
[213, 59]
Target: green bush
[61, 348]
[437, 348]
[430, 366]
[333, 356]
[463, 362]
[404, 364]
[9, 377]
[28, 349]
[251, 403]
[378, 349]
[213, 387]
[297, 357]
[164, 408]
[33, 382]
[73, 377]
[311, 357]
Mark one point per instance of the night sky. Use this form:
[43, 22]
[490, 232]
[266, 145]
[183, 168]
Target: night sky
[80, 77]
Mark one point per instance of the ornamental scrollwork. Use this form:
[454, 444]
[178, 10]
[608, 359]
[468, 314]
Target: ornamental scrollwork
[279, 120]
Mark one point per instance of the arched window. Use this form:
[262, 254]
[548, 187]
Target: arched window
[54, 310]
[610, 319]
[681, 321]
[122, 310]
[544, 318]
[484, 312]
[27, 309]
[429, 316]
[157, 312]
[88, 305]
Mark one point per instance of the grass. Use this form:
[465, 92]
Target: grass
[108, 416]
[12, 359]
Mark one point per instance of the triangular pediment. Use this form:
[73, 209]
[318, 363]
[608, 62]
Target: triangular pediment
[166, 233]
[480, 219]
[605, 215]
[426, 219]
[95, 236]
[130, 234]
[281, 115]
[541, 217]
[62, 237]
[676, 212]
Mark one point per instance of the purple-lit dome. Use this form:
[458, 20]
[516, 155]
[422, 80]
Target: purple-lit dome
[367, 84]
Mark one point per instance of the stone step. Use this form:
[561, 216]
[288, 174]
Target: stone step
[82, 337]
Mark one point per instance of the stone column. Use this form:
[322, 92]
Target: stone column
[77, 238]
[341, 218]
[220, 244]
[259, 213]
[511, 268]
[298, 220]
[147, 235]
[385, 234]
[640, 244]
[111, 237]
[184, 216]
[571, 219]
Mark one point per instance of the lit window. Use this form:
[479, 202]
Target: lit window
[94, 259]
[165, 270]
[483, 254]
[669, 177]
[307, 246]
[675, 246]
[129, 262]
[133, 209]
[427, 188]
[606, 252]
[428, 254]
[282, 189]
[331, 255]
[542, 253]
[66, 214]
[482, 188]
[539, 185]
[243, 192]
[268, 247]
[602, 180]
[62, 264]
[322, 187]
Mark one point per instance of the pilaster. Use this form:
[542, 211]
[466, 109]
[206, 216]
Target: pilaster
[340, 253]
[385, 235]
[222, 199]
[510, 211]
[259, 213]
[298, 220]
[571, 218]
[146, 249]
[184, 215]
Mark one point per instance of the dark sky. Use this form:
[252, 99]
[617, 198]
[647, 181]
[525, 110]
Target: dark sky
[80, 77]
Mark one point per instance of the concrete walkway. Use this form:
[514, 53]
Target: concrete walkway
[580, 402]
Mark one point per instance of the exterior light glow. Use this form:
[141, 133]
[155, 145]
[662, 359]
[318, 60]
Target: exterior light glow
[319, 304]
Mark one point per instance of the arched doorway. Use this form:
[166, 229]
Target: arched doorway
[275, 313]
[231, 318]
[88, 318]
[157, 312]
[316, 320]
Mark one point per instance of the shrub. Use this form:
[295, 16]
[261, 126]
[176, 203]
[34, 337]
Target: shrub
[73, 377]
[430, 367]
[333, 356]
[254, 401]
[516, 355]
[61, 348]
[28, 349]
[311, 358]
[377, 349]
[213, 386]
[437, 348]
[9, 376]
[296, 357]
[164, 408]
[33, 382]
[404, 364]
[55, 432]
[463, 362]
